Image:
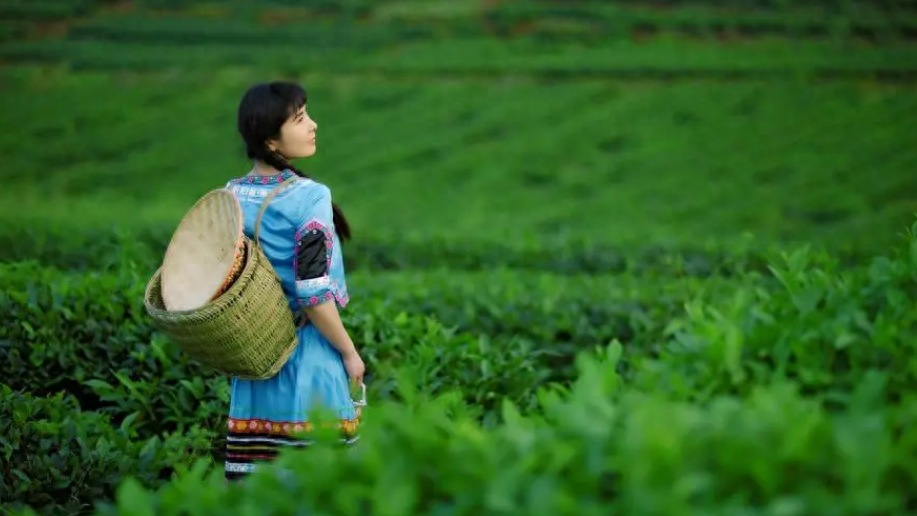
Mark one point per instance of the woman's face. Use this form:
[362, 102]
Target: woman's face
[297, 136]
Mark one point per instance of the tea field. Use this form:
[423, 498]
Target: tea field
[632, 259]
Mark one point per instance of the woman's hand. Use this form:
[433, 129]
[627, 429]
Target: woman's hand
[355, 368]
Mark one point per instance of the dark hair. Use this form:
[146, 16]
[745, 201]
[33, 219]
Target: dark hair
[263, 110]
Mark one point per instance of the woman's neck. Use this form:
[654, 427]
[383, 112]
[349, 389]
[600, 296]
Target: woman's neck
[261, 168]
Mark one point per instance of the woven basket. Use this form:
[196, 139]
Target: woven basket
[204, 253]
[247, 331]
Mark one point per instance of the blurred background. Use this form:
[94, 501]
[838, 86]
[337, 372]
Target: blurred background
[476, 131]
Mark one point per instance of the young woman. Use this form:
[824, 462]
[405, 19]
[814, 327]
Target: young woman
[301, 233]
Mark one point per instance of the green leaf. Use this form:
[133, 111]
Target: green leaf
[133, 500]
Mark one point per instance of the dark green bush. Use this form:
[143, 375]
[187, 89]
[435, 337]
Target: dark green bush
[104, 248]
[234, 33]
[58, 459]
[43, 10]
[88, 333]
[805, 373]
[825, 328]
[599, 448]
[782, 389]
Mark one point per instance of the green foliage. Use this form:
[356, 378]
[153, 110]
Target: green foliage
[596, 449]
[823, 328]
[791, 390]
[69, 325]
[43, 10]
[470, 178]
[595, 21]
[58, 459]
[80, 249]
[232, 32]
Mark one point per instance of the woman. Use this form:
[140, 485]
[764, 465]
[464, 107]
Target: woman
[301, 233]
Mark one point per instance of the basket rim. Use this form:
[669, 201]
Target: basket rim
[186, 220]
[237, 287]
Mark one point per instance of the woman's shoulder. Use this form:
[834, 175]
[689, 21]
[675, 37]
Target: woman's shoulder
[298, 200]
[303, 199]
[261, 186]
[305, 186]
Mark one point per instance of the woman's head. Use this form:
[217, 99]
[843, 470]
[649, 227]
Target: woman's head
[276, 128]
[275, 125]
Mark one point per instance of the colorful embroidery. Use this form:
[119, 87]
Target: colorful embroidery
[263, 180]
[252, 441]
[281, 428]
[335, 292]
[312, 264]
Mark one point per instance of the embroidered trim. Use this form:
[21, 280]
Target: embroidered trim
[255, 460]
[235, 467]
[306, 285]
[263, 426]
[263, 180]
[332, 293]
[323, 281]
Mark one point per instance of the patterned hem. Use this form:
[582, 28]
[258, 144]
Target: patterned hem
[283, 428]
[253, 441]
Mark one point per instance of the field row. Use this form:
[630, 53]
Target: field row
[91, 249]
[515, 164]
[595, 20]
[810, 361]
[361, 52]
[544, 20]
[481, 324]
[70, 322]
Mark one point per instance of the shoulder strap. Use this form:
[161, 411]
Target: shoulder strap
[266, 201]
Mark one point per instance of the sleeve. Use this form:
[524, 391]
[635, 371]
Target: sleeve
[313, 249]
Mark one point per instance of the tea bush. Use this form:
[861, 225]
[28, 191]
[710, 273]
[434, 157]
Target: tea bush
[601, 20]
[44, 10]
[788, 392]
[80, 249]
[229, 32]
[823, 327]
[576, 197]
[59, 459]
[598, 448]
[87, 333]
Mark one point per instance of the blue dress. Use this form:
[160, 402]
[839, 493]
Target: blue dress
[297, 236]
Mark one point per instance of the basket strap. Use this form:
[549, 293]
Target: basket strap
[300, 318]
[266, 201]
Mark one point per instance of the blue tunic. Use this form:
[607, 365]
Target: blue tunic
[297, 236]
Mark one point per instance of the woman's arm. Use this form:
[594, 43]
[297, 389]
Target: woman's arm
[326, 319]
[312, 256]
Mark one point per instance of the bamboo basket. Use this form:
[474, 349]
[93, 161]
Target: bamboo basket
[235, 317]
[206, 253]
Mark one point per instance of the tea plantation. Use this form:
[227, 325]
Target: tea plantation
[632, 259]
